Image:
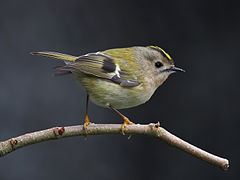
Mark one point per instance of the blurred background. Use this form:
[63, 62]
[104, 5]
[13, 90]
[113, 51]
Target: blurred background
[201, 106]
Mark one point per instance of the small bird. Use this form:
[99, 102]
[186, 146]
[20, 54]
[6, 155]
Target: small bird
[118, 78]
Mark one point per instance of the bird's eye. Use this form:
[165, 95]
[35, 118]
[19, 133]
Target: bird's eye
[158, 64]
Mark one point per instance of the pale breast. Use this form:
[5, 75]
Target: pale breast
[103, 92]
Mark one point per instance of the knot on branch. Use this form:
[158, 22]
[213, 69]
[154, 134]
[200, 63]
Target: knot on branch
[13, 142]
[58, 131]
[155, 129]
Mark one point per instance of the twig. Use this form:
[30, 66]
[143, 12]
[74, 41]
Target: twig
[153, 130]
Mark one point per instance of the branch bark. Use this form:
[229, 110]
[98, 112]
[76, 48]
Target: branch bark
[153, 130]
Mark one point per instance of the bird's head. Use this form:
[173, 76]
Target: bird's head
[157, 64]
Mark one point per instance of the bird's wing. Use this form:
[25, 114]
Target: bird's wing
[104, 66]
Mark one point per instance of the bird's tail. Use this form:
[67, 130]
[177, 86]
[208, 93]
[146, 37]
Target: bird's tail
[68, 59]
[56, 55]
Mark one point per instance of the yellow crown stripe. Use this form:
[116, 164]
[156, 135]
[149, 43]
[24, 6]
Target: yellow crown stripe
[166, 54]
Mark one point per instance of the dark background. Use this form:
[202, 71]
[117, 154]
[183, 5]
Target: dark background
[200, 106]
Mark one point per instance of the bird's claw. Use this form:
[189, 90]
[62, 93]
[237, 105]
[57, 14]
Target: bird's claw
[86, 123]
[126, 122]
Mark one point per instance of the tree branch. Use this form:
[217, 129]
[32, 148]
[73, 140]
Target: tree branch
[153, 130]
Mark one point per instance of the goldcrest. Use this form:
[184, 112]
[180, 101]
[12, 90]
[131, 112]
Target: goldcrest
[118, 78]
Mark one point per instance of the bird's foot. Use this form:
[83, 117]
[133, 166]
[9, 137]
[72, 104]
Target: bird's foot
[126, 122]
[86, 122]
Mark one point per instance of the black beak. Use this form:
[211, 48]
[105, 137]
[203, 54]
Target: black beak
[176, 69]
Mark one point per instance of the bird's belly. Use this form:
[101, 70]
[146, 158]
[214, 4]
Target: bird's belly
[104, 92]
[120, 99]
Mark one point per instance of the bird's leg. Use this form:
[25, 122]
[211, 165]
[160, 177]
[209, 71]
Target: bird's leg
[86, 121]
[126, 121]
